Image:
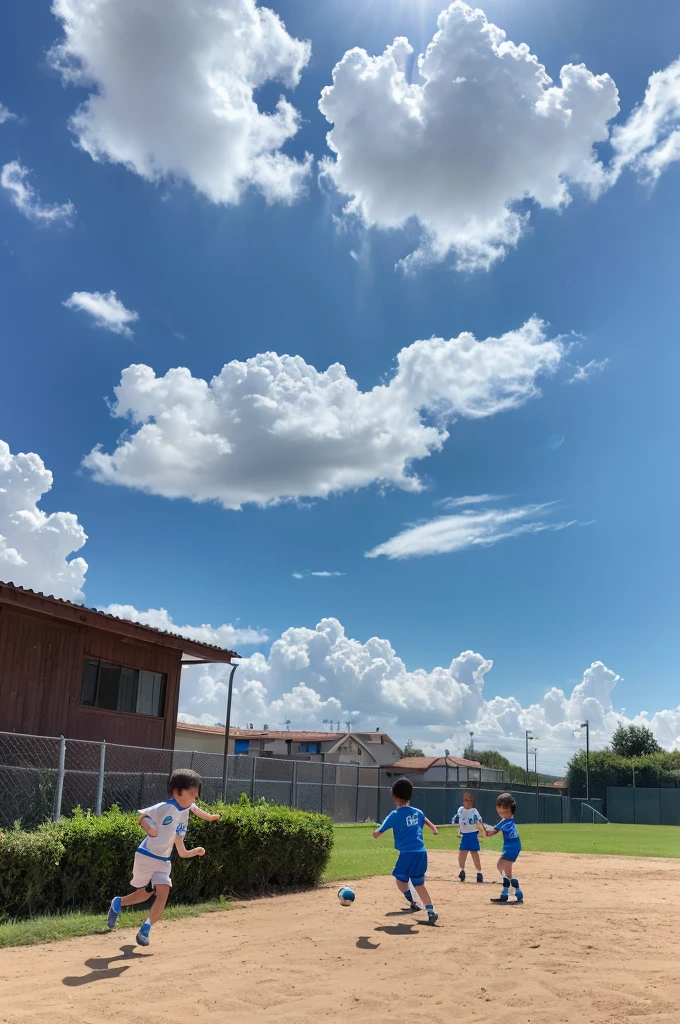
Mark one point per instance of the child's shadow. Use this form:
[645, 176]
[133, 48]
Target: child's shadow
[396, 929]
[100, 967]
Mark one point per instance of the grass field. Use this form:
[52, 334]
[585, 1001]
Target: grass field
[357, 855]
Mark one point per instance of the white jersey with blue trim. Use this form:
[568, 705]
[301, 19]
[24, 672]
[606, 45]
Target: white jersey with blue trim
[467, 819]
[171, 820]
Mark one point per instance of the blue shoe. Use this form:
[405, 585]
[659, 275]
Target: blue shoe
[143, 934]
[519, 895]
[480, 876]
[461, 875]
[114, 911]
[432, 916]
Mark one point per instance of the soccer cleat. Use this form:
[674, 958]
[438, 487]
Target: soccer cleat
[462, 876]
[143, 934]
[114, 911]
[480, 876]
[432, 916]
[519, 895]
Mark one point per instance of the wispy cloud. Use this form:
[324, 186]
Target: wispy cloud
[470, 528]
[105, 309]
[324, 574]
[26, 199]
[467, 499]
[6, 115]
[588, 370]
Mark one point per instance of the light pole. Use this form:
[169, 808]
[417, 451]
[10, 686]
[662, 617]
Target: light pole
[585, 725]
[527, 737]
[472, 744]
[227, 725]
[537, 791]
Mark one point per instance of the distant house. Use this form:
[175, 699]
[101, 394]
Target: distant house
[71, 671]
[444, 769]
[368, 749]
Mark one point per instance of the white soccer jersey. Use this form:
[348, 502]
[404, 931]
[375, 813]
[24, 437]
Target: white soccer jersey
[467, 819]
[171, 820]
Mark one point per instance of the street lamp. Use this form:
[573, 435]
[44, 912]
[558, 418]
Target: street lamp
[527, 737]
[585, 725]
[225, 766]
[472, 743]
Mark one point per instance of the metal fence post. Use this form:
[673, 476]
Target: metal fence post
[59, 792]
[323, 773]
[100, 781]
[356, 804]
[377, 795]
[252, 781]
[294, 786]
[191, 762]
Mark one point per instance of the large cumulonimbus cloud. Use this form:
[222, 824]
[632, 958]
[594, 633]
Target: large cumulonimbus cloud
[312, 674]
[477, 132]
[274, 428]
[174, 91]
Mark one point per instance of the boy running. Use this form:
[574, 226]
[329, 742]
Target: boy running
[165, 825]
[506, 807]
[407, 823]
[468, 819]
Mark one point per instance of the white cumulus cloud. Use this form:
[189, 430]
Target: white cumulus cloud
[477, 133]
[274, 428]
[468, 529]
[35, 545]
[312, 674]
[226, 635]
[650, 139]
[174, 91]
[14, 178]
[106, 310]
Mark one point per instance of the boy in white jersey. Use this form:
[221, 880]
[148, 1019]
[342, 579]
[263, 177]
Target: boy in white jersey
[468, 819]
[165, 825]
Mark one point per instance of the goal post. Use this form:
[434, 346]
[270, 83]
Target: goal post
[591, 816]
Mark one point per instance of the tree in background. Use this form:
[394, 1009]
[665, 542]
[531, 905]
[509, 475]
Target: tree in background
[411, 751]
[634, 741]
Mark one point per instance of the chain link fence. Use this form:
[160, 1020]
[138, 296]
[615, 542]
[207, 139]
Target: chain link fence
[46, 777]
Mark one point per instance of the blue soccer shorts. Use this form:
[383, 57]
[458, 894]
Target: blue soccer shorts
[469, 841]
[511, 852]
[411, 867]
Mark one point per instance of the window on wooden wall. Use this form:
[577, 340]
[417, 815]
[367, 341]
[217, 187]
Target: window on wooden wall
[117, 688]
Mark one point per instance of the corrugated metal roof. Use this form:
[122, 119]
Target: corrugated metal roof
[115, 618]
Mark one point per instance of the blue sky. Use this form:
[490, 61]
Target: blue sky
[214, 282]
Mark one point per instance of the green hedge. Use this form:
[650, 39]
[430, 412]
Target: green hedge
[82, 861]
[610, 769]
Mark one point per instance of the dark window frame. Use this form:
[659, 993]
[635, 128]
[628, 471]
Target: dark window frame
[162, 696]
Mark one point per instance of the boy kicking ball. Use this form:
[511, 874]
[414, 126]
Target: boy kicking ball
[165, 825]
[512, 847]
[407, 823]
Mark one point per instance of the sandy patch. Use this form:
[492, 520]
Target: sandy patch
[595, 943]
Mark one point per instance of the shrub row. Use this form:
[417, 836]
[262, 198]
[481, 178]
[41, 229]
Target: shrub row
[82, 861]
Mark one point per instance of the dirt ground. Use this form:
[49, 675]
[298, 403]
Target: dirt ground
[596, 942]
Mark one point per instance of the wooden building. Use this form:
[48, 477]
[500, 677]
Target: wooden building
[66, 670]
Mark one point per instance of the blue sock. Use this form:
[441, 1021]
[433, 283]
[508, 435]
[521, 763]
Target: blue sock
[429, 907]
[409, 896]
[146, 927]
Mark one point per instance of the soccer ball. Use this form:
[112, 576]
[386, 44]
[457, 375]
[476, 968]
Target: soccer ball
[346, 896]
